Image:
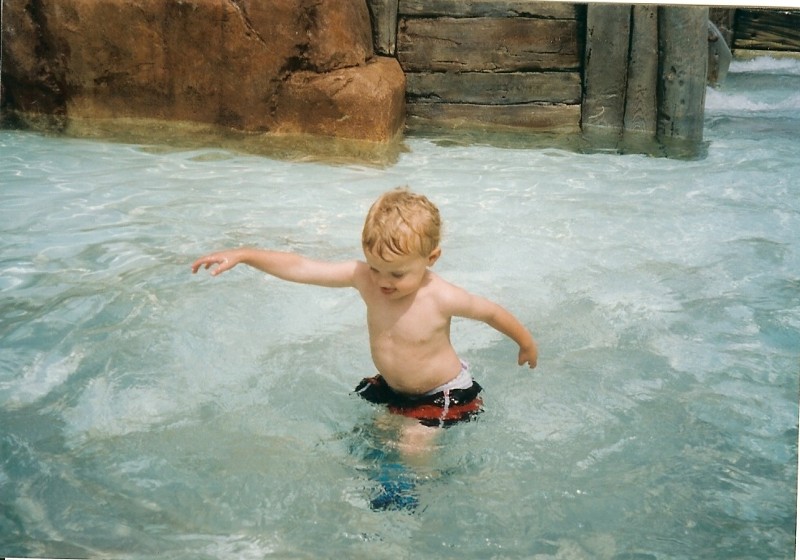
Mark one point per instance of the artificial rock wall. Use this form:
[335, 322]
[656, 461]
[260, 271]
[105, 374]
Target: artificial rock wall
[277, 66]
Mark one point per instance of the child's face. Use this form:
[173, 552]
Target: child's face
[401, 276]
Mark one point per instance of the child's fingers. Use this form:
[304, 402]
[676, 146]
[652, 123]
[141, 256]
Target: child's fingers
[207, 262]
[223, 265]
[526, 359]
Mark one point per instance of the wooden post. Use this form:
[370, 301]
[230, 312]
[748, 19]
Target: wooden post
[641, 108]
[683, 44]
[605, 67]
[383, 14]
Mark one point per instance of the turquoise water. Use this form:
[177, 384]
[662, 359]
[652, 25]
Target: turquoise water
[147, 412]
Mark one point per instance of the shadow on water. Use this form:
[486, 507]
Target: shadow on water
[165, 136]
[587, 142]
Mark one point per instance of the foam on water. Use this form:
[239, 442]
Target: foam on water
[766, 65]
[146, 412]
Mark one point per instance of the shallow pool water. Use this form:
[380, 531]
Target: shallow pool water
[146, 412]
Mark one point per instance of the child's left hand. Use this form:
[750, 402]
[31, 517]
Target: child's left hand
[528, 355]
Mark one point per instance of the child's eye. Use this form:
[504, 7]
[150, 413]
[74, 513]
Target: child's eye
[398, 274]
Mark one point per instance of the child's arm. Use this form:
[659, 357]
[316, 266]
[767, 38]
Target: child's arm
[481, 309]
[500, 319]
[286, 266]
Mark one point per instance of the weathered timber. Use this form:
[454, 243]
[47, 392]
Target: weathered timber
[606, 65]
[530, 117]
[645, 75]
[494, 88]
[487, 44]
[383, 14]
[683, 43]
[724, 19]
[641, 108]
[491, 8]
[776, 30]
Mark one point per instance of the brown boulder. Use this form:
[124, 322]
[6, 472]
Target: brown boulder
[325, 102]
[243, 64]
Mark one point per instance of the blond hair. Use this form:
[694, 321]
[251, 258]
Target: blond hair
[401, 223]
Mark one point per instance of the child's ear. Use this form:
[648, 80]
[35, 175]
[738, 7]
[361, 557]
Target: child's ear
[434, 256]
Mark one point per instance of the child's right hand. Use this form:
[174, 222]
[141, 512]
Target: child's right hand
[225, 260]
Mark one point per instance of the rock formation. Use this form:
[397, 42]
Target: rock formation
[276, 66]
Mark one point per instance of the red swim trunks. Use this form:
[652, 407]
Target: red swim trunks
[440, 409]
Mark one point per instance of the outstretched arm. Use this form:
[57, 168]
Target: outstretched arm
[497, 317]
[286, 266]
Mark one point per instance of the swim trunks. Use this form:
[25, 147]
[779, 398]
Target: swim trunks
[455, 401]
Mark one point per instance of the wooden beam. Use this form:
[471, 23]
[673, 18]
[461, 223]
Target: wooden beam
[493, 8]
[489, 88]
[529, 117]
[777, 30]
[487, 44]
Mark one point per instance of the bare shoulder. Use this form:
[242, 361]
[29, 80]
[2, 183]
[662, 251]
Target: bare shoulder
[360, 274]
[452, 298]
[456, 301]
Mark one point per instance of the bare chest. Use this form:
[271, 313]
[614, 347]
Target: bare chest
[409, 324]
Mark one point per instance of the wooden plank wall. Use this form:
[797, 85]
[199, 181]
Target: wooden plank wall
[761, 29]
[631, 73]
[489, 63]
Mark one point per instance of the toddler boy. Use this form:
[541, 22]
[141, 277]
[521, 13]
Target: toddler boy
[409, 308]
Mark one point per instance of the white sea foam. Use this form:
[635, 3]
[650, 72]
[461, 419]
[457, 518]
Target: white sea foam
[106, 410]
[719, 101]
[766, 65]
[39, 378]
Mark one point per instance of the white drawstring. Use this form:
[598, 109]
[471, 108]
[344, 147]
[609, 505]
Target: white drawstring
[445, 408]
